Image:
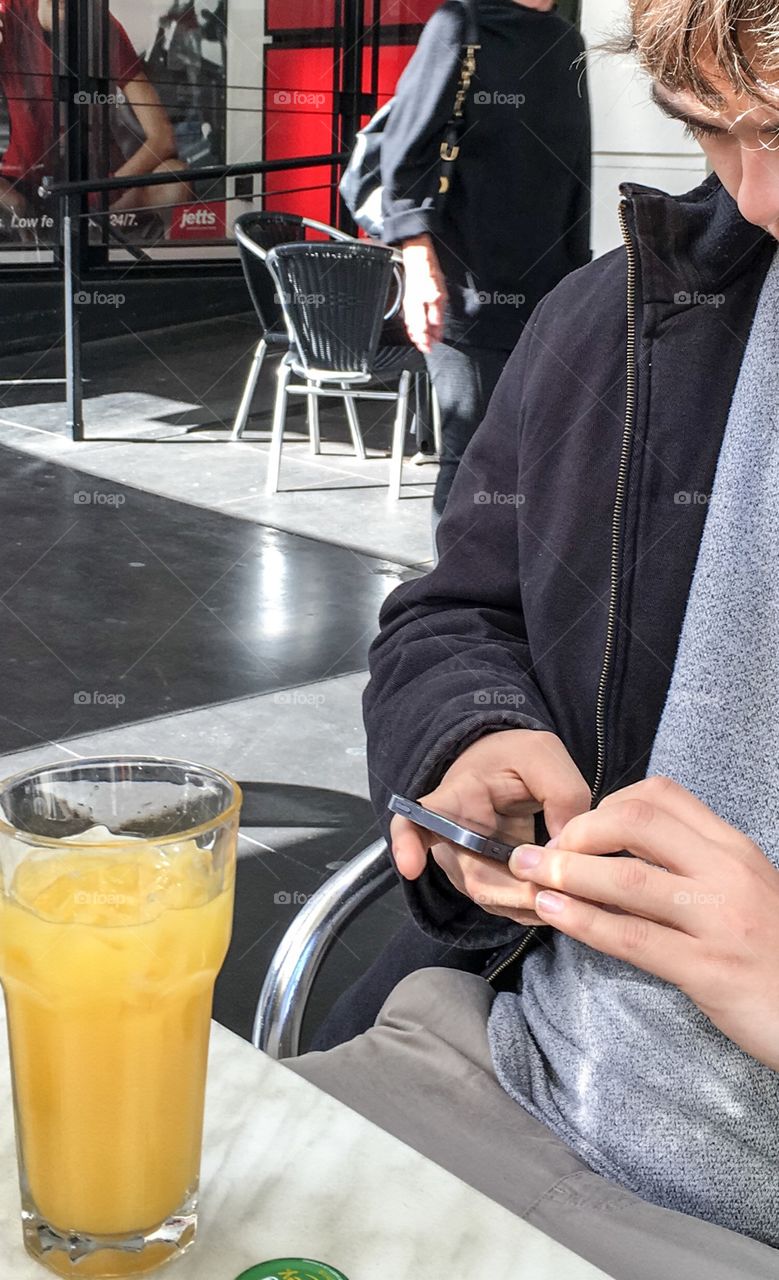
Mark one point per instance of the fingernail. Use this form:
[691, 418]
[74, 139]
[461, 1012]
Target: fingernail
[527, 856]
[549, 904]
[553, 843]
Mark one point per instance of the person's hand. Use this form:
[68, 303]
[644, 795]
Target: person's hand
[425, 296]
[698, 905]
[499, 782]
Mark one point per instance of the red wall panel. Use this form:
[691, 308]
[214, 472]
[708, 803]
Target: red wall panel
[293, 14]
[287, 15]
[299, 93]
[298, 122]
[393, 58]
[406, 12]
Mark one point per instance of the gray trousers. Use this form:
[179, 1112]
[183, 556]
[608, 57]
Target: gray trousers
[424, 1074]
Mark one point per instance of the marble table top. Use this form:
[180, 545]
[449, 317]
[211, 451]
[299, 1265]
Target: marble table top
[289, 1171]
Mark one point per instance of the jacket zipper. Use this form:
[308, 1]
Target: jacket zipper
[619, 507]
[631, 384]
[526, 941]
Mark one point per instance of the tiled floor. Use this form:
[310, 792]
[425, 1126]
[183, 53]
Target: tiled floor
[155, 600]
[158, 409]
[119, 604]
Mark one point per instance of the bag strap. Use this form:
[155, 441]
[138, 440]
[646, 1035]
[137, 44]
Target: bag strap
[450, 144]
[471, 23]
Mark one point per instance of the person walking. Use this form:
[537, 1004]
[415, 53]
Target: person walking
[516, 218]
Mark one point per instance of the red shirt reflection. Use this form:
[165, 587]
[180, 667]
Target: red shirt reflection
[27, 82]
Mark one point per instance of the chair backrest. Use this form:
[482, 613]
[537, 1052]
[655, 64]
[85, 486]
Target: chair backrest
[258, 233]
[334, 298]
[264, 231]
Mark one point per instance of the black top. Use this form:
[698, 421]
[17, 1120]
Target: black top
[517, 217]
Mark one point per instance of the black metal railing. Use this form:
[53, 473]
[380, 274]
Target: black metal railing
[71, 197]
[213, 172]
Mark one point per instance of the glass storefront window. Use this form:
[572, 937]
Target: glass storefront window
[179, 84]
[29, 140]
[170, 116]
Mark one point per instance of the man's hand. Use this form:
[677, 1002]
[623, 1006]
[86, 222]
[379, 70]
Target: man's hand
[499, 782]
[698, 904]
[425, 296]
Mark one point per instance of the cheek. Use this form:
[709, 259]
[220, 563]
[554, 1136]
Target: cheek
[725, 159]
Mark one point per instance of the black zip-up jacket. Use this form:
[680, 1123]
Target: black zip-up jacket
[571, 534]
[517, 217]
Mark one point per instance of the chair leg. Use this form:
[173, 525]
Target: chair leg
[437, 436]
[313, 419]
[419, 410]
[354, 424]
[399, 435]
[277, 431]
[248, 391]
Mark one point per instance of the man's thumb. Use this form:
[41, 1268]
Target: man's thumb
[566, 803]
[561, 788]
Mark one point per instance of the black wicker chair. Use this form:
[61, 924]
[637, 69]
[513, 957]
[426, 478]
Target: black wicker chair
[256, 234]
[334, 298]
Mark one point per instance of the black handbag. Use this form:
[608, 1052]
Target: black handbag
[361, 186]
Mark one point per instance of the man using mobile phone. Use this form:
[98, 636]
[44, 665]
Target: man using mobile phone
[604, 651]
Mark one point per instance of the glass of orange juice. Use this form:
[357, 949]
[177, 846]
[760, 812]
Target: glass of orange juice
[116, 908]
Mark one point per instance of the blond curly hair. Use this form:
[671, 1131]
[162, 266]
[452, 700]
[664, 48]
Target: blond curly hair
[700, 46]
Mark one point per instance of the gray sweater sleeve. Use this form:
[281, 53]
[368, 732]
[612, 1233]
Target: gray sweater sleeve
[412, 137]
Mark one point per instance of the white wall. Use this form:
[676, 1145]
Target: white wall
[245, 51]
[632, 140]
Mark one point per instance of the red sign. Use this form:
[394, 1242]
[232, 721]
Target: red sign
[202, 220]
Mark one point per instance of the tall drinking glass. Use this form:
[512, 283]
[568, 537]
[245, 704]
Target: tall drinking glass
[115, 915]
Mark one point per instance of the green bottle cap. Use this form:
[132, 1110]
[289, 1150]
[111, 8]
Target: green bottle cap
[291, 1269]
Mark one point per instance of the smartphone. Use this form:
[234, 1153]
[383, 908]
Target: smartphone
[474, 837]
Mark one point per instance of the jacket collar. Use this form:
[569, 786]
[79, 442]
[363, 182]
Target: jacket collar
[692, 244]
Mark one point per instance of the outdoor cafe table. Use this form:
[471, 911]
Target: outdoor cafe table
[290, 1172]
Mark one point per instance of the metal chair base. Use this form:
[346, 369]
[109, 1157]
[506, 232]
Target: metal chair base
[348, 392]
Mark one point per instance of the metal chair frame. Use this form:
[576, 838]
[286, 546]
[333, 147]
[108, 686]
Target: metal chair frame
[299, 957]
[352, 384]
[313, 390]
[263, 346]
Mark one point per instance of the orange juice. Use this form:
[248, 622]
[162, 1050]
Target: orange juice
[108, 961]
